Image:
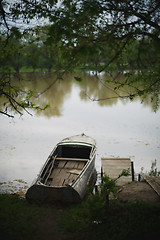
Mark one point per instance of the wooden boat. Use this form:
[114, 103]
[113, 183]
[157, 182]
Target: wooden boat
[68, 170]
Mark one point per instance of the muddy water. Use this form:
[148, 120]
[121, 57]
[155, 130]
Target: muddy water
[121, 128]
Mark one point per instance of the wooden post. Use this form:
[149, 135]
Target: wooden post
[101, 175]
[132, 170]
[139, 177]
[96, 189]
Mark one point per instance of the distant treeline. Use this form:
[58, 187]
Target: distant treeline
[34, 52]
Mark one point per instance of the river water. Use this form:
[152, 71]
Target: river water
[121, 128]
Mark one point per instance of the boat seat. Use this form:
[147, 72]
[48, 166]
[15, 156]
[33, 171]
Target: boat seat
[72, 159]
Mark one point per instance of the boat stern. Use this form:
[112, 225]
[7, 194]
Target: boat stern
[42, 193]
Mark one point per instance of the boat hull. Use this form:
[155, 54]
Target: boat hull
[70, 194]
[40, 193]
[43, 191]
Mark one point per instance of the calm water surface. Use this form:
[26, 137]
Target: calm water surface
[121, 128]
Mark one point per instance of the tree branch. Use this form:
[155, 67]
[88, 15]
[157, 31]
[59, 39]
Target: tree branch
[8, 115]
[115, 56]
[3, 14]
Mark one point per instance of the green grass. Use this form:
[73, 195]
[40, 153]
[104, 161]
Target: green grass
[85, 221]
[16, 218]
[37, 70]
[122, 221]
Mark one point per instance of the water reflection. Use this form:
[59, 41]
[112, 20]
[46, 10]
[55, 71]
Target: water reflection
[120, 128]
[55, 95]
[92, 87]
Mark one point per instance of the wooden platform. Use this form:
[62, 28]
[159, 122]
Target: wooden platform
[65, 171]
[114, 166]
[153, 181]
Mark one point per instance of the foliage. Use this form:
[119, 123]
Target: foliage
[21, 220]
[16, 218]
[109, 186]
[122, 221]
[154, 171]
[96, 206]
[15, 100]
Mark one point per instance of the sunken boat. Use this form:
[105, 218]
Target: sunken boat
[69, 169]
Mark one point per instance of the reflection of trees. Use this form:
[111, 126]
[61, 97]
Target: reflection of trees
[54, 96]
[97, 89]
[91, 87]
[102, 89]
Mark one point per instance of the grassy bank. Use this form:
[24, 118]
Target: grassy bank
[21, 220]
[54, 69]
[122, 221]
[16, 218]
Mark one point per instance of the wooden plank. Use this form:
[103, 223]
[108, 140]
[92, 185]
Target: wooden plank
[76, 165]
[74, 171]
[59, 177]
[156, 179]
[72, 159]
[55, 177]
[115, 162]
[70, 164]
[55, 172]
[69, 178]
[120, 159]
[66, 172]
[61, 164]
[72, 177]
[154, 182]
[66, 181]
[114, 166]
[64, 177]
[80, 165]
